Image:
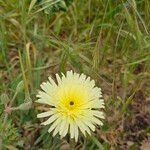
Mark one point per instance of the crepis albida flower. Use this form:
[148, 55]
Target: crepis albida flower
[75, 105]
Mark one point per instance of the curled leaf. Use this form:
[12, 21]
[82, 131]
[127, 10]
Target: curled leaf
[25, 106]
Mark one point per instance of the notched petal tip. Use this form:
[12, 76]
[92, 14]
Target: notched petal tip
[69, 73]
[38, 101]
[42, 123]
[38, 94]
[43, 84]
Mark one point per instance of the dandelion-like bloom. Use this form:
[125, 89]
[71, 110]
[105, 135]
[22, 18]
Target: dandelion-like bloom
[75, 104]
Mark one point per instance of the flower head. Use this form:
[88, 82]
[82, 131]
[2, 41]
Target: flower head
[74, 102]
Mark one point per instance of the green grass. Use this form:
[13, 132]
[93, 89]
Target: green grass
[107, 40]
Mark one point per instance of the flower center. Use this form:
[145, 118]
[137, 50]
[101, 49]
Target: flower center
[71, 103]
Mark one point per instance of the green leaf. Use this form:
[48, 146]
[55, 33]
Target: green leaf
[99, 145]
[32, 5]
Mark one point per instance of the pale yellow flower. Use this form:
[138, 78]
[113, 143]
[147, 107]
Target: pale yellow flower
[75, 104]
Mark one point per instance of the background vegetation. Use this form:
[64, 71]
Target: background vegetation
[108, 40]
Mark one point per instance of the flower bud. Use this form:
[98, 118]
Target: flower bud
[4, 99]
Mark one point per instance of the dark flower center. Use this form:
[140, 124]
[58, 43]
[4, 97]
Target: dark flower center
[71, 103]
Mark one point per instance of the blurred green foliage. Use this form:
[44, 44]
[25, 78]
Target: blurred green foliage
[9, 135]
